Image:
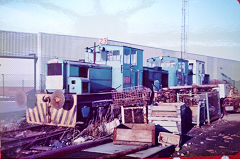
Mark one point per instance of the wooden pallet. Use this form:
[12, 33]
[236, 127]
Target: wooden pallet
[171, 117]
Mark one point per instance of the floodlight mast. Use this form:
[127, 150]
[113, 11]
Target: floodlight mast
[183, 32]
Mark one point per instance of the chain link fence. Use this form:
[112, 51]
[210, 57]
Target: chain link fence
[10, 84]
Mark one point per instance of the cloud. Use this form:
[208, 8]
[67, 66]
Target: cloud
[215, 43]
[22, 20]
[115, 7]
[71, 8]
[155, 19]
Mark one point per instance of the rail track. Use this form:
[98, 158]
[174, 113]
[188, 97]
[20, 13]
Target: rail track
[19, 143]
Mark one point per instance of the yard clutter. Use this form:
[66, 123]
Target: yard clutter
[198, 105]
[232, 102]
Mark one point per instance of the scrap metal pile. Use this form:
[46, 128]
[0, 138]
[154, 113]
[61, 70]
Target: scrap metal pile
[232, 101]
[131, 96]
[169, 95]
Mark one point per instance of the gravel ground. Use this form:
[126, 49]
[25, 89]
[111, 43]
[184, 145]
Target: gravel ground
[221, 137]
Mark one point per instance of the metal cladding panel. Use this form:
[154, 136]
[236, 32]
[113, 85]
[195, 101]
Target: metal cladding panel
[17, 43]
[73, 48]
[64, 46]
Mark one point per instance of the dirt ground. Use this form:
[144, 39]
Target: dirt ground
[221, 137]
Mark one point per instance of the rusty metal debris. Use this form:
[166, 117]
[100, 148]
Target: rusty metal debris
[137, 95]
[169, 95]
[232, 101]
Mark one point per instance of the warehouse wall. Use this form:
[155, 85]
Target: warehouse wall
[48, 46]
[17, 43]
[16, 73]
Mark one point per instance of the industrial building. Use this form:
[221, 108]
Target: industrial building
[47, 46]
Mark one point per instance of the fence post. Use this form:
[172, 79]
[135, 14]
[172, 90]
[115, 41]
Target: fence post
[22, 85]
[199, 113]
[3, 85]
[178, 99]
[208, 113]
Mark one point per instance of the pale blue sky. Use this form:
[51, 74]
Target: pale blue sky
[213, 25]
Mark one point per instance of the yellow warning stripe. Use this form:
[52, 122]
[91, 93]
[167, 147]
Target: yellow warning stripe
[35, 113]
[61, 117]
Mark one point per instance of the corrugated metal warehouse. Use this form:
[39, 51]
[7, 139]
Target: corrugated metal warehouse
[47, 46]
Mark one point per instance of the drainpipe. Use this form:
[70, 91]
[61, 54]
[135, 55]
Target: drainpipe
[94, 53]
[35, 70]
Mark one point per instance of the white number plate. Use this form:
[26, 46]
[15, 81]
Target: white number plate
[229, 108]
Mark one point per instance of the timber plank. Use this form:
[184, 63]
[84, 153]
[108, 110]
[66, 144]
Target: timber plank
[166, 123]
[165, 119]
[168, 138]
[163, 108]
[171, 104]
[134, 135]
[141, 126]
[117, 142]
[159, 113]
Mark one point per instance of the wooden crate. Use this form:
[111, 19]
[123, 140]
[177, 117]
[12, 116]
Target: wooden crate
[171, 117]
[168, 138]
[134, 114]
[134, 134]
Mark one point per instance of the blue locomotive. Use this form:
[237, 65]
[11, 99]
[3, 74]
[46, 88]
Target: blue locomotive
[76, 90]
[126, 63]
[77, 77]
[177, 69]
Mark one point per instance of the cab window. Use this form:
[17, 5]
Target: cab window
[54, 69]
[78, 71]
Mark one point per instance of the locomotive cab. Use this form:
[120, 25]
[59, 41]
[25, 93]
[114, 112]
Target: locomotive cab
[67, 76]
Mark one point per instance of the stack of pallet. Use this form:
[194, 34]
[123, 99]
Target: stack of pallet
[171, 117]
